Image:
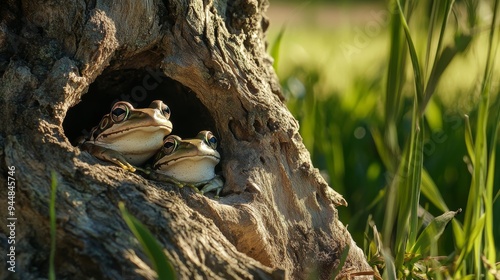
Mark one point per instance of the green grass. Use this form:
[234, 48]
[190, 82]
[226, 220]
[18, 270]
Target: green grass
[52, 214]
[385, 120]
[150, 245]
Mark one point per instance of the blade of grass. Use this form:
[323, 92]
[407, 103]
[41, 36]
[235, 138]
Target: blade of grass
[149, 244]
[489, 246]
[343, 258]
[431, 234]
[469, 140]
[275, 49]
[458, 233]
[475, 233]
[496, 196]
[417, 70]
[390, 269]
[393, 95]
[431, 191]
[435, 266]
[410, 210]
[407, 226]
[416, 163]
[403, 208]
[391, 208]
[490, 249]
[430, 32]
[441, 64]
[52, 213]
[443, 57]
[390, 152]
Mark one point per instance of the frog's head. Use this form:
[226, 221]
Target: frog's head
[188, 160]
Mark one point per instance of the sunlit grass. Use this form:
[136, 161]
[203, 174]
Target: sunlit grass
[323, 50]
[346, 52]
[384, 116]
[52, 215]
[150, 245]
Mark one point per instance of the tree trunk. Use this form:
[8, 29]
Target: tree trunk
[63, 63]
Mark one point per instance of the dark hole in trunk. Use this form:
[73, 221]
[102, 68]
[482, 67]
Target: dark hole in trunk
[138, 87]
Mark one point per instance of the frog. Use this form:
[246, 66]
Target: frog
[190, 162]
[127, 136]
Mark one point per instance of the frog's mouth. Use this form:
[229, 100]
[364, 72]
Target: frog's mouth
[155, 127]
[185, 161]
[194, 158]
[149, 129]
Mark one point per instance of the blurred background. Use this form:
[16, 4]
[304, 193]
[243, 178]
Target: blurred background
[332, 60]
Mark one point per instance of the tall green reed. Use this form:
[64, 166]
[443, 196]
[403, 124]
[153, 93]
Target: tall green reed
[478, 248]
[402, 224]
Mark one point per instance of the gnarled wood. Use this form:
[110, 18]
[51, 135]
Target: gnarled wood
[276, 218]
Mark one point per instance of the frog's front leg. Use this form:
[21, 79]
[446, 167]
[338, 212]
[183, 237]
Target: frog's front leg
[164, 178]
[214, 184]
[109, 155]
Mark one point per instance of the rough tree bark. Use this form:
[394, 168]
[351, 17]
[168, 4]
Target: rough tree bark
[206, 59]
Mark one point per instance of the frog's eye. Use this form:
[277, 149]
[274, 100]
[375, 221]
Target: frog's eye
[169, 145]
[165, 110]
[211, 140]
[103, 124]
[120, 112]
[158, 104]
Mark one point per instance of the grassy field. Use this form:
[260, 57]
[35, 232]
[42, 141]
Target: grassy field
[399, 110]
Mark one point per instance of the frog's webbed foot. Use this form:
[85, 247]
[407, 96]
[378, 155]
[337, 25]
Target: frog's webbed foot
[214, 184]
[123, 164]
[108, 155]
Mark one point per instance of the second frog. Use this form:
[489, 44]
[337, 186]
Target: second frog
[189, 162]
